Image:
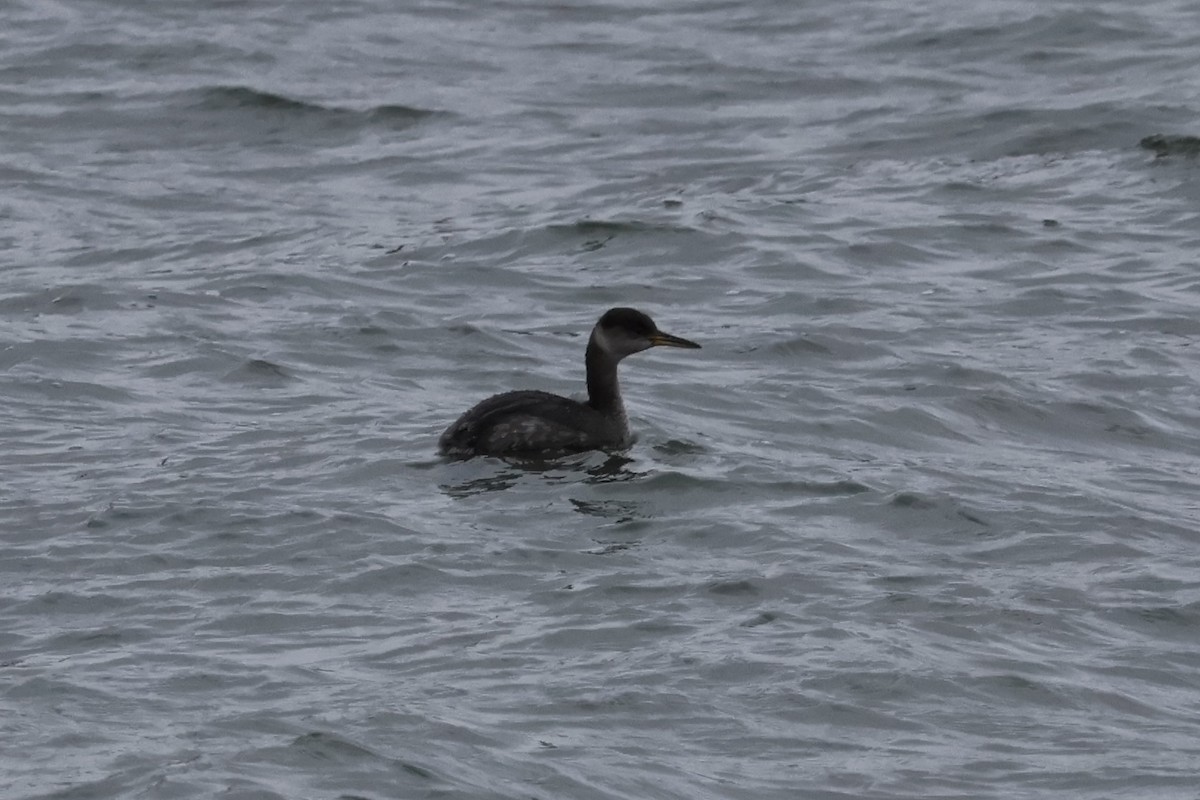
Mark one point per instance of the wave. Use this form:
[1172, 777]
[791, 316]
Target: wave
[241, 98]
[1163, 146]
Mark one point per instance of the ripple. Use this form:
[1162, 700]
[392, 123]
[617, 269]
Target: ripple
[1163, 146]
[259, 372]
[235, 98]
[920, 522]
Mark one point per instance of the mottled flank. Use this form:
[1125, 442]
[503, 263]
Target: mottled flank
[532, 422]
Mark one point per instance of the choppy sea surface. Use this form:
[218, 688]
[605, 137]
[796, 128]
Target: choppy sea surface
[921, 519]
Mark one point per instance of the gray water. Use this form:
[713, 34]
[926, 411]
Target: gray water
[919, 521]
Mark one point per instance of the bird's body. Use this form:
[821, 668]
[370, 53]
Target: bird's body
[533, 422]
[539, 423]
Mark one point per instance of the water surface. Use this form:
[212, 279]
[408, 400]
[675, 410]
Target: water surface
[918, 521]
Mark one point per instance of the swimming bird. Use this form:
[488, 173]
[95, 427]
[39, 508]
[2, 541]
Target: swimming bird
[539, 423]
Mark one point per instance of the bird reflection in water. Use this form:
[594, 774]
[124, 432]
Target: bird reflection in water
[592, 468]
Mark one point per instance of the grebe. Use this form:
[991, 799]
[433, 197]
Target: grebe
[540, 423]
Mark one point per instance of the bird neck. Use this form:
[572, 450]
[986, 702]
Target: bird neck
[604, 394]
